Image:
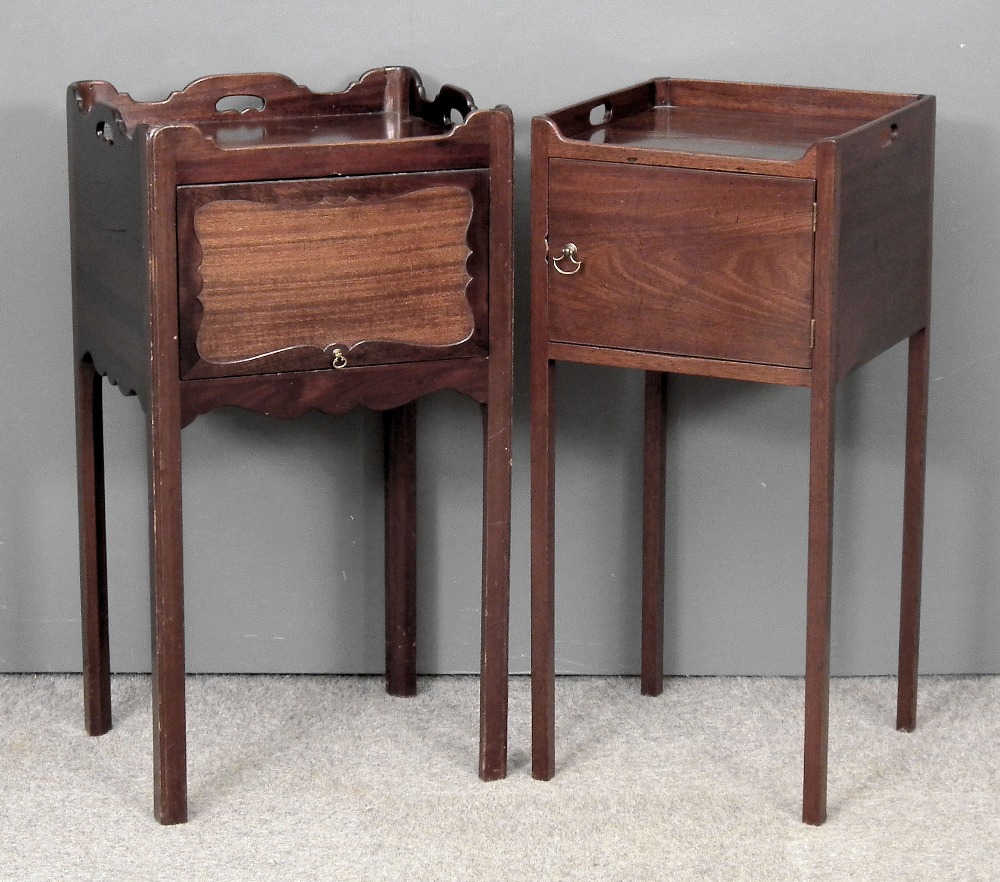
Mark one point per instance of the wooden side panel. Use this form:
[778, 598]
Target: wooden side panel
[276, 276]
[682, 262]
[108, 230]
[885, 177]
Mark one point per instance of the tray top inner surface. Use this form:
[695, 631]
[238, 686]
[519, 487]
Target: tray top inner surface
[753, 135]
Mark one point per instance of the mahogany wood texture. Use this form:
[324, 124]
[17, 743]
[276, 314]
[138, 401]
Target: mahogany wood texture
[913, 528]
[166, 532]
[819, 568]
[680, 364]
[110, 245]
[497, 439]
[747, 127]
[400, 453]
[767, 136]
[395, 91]
[93, 550]
[691, 206]
[378, 387]
[682, 262]
[180, 205]
[543, 595]
[345, 263]
[275, 276]
[653, 516]
[882, 256]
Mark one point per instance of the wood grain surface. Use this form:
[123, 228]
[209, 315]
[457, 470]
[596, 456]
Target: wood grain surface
[276, 276]
[683, 262]
[686, 262]
[370, 214]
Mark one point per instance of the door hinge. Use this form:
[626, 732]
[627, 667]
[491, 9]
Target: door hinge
[814, 217]
[812, 334]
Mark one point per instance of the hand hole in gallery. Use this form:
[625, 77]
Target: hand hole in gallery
[106, 132]
[890, 135]
[239, 103]
[600, 114]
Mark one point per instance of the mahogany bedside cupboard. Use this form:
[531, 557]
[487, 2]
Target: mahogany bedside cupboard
[765, 233]
[303, 251]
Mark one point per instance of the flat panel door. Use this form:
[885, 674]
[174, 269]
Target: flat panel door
[679, 261]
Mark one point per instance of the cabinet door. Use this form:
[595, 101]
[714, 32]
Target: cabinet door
[335, 272]
[679, 261]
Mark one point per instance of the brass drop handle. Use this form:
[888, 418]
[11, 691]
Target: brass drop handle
[339, 359]
[569, 253]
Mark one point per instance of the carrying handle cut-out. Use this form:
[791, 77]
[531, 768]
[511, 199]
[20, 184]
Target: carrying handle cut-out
[240, 103]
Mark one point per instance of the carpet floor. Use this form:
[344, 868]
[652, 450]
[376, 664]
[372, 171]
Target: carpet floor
[327, 778]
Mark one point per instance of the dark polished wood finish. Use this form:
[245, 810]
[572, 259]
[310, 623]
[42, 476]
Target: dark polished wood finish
[308, 251]
[641, 230]
[543, 485]
[913, 528]
[654, 466]
[93, 550]
[766, 233]
[267, 264]
[400, 452]
[819, 568]
[497, 413]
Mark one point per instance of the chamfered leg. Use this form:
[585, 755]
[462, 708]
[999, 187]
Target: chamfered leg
[818, 603]
[542, 572]
[913, 528]
[496, 588]
[653, 502]
[400, 433]
[93, 549]
[167, 612]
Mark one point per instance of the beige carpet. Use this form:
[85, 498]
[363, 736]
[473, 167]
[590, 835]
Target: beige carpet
[327, 778]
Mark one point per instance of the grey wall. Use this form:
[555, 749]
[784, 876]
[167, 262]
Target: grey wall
[283, 520]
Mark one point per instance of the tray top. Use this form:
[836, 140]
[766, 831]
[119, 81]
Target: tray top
[734, 133]
[383, 104]
[736, 121]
